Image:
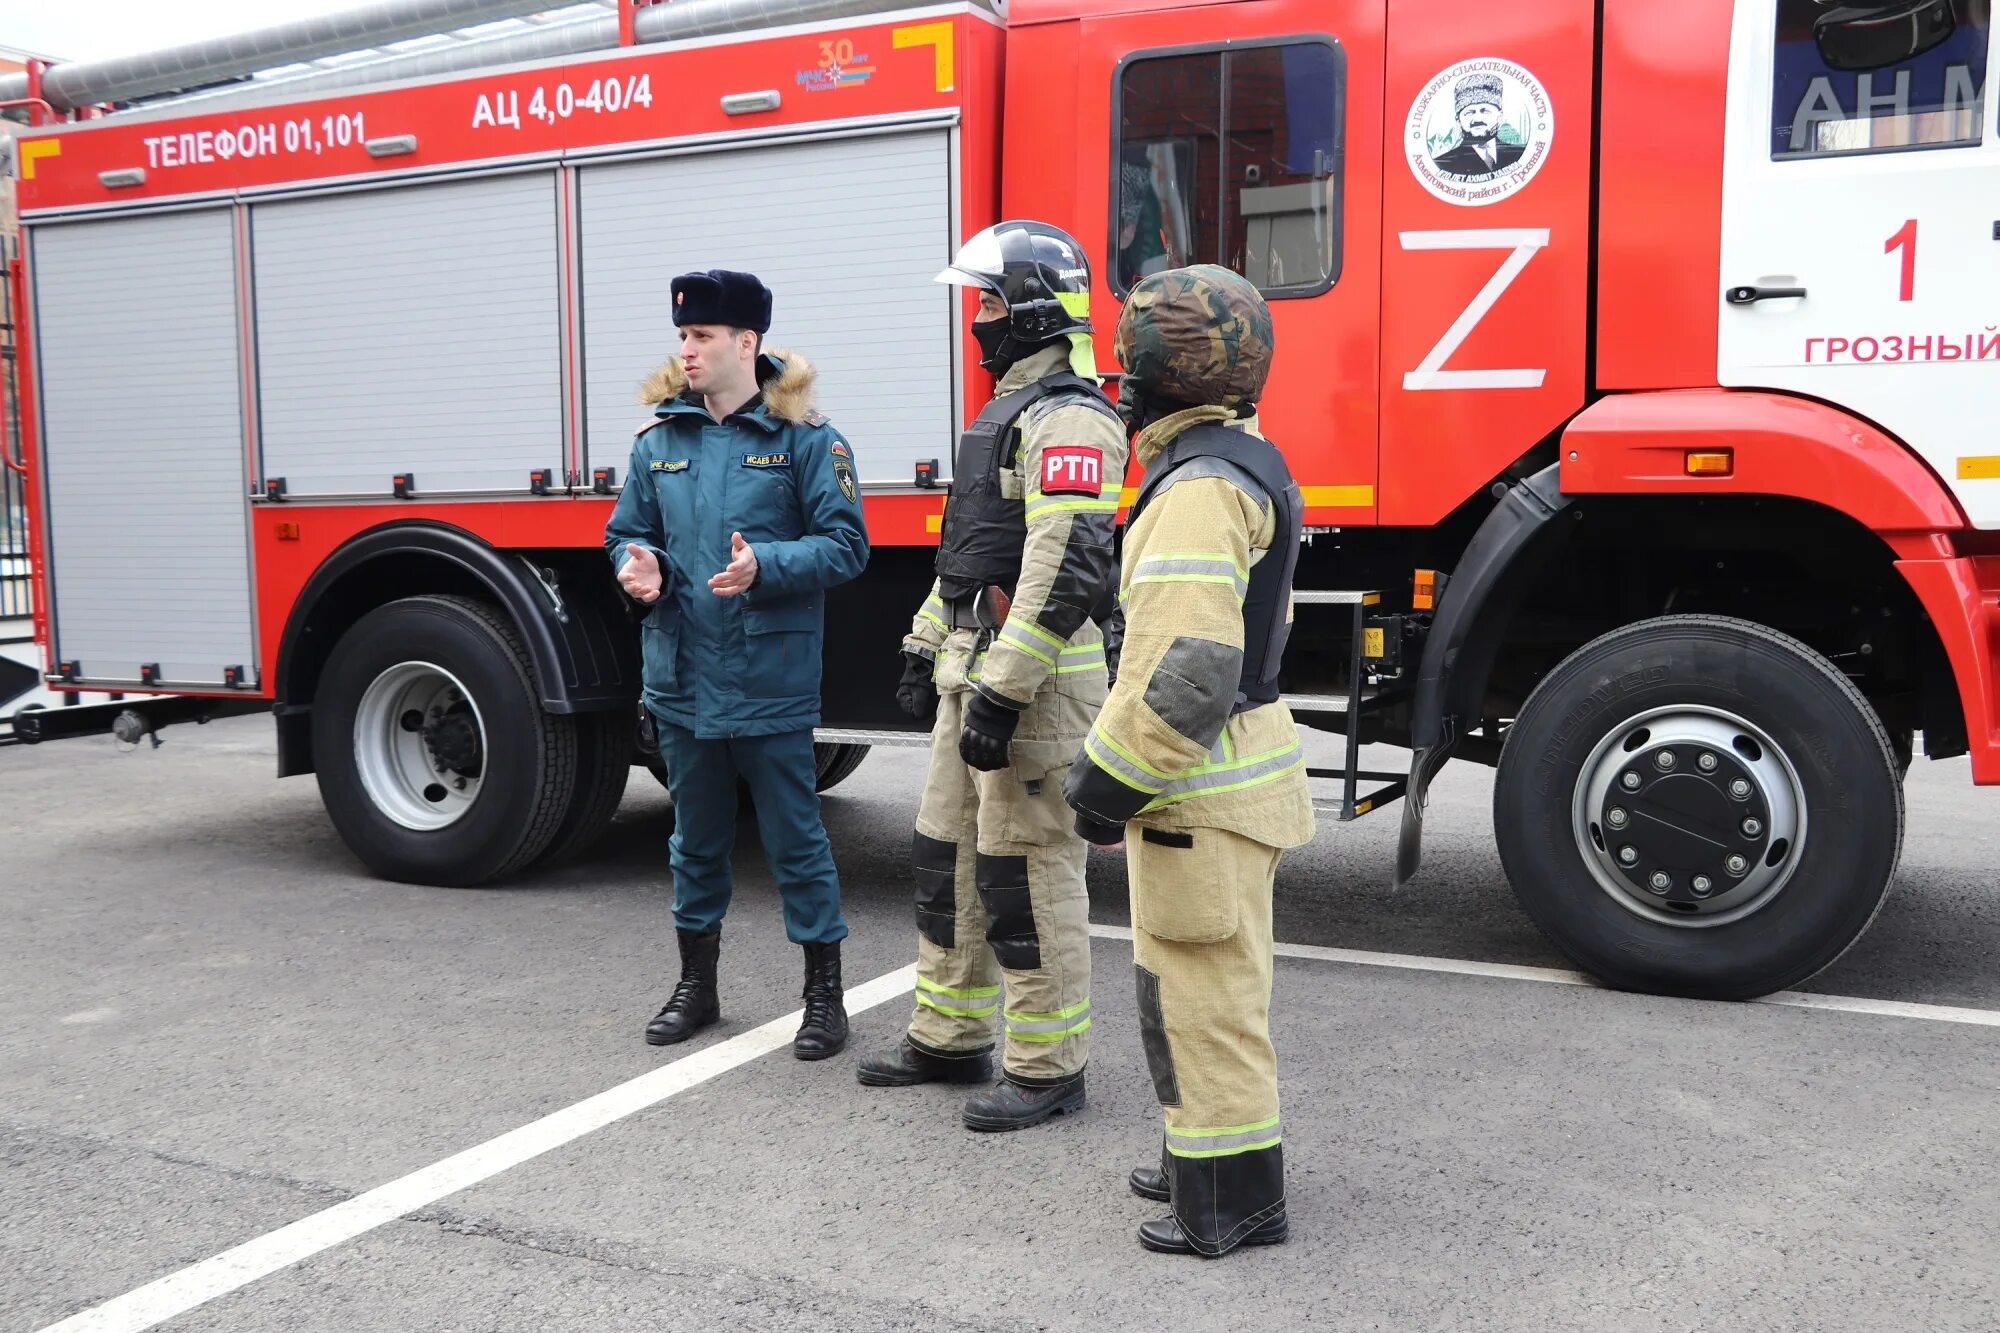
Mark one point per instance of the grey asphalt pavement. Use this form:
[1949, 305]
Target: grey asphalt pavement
[218, 1025]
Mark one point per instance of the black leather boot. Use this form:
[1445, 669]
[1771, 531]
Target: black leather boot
[1149, 1182]
[1016, 1103]
[824, 1031]
[908, 1065]
[1220, 1203]
[693, 1005]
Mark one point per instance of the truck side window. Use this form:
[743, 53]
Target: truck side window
[1230, 157]
[1881, 76]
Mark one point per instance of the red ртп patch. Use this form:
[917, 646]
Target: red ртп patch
[1072, 469]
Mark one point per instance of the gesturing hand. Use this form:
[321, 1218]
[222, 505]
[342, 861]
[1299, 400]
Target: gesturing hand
[641, 577]
[741, 571]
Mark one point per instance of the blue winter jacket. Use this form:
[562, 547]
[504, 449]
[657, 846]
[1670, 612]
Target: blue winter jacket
[780, 474]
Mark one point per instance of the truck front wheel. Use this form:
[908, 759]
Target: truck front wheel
[1699, 806]
[435, 760]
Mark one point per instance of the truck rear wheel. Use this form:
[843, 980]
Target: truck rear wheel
[603, 765]
[833, 764]
[1699, 806]
[435, 760]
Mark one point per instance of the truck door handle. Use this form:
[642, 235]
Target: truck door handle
[1752, 295]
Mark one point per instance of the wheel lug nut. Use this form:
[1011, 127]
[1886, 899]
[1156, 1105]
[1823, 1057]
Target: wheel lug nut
[1737, 865]
[1752, 827]
[1661, 881]
[1628, 855]
[1740, 789]
[1708, 763]
[1702, 885]
[1632, 781]
[1665, 759]
[1616, 818]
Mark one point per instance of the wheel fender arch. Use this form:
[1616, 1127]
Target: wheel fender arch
[583, 653]
[1638, 443]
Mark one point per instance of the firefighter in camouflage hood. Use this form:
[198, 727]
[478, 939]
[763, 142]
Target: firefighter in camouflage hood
[1194, 762]
[1005, 653]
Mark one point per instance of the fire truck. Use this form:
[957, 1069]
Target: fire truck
[1633, 359]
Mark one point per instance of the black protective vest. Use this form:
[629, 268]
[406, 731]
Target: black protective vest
[1264, 627]
[983, 531]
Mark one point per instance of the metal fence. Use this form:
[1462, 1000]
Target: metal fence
[14, 593]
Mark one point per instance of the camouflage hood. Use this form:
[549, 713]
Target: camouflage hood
[1196, 336]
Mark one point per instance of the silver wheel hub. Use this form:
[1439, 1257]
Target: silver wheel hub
[1689, 816]
[420, 746]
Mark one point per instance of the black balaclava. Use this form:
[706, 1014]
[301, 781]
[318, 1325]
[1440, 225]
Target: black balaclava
[999, 349]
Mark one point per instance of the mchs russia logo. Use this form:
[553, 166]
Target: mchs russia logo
[1479, 131]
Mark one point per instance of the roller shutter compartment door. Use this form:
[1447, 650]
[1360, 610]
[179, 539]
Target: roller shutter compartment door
[847, 233]
[410, 330]
[142, 442]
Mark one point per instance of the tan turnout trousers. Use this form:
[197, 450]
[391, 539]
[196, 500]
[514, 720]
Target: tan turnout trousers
[1002, 914]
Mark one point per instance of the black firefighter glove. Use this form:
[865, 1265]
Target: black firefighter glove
[916, 692]
[988, 729]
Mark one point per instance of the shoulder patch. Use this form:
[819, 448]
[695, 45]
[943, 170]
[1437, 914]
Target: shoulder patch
[840, 450]
[843, 472]
[1072, 469]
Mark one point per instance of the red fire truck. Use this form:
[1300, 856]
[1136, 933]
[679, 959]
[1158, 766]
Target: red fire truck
[1632, 359]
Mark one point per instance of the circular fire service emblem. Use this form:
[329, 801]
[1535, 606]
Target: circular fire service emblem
[1479, 131]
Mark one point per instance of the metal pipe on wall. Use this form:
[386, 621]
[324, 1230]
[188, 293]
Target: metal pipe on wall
[89, 82]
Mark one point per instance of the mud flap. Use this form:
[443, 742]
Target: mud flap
[1486, 587]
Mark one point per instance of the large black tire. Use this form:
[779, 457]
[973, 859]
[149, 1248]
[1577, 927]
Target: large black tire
[526, 762]
[1686, 673]
[833, 764]
[603, 765]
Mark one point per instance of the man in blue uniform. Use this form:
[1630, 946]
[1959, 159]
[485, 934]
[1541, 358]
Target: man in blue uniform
[740, 510]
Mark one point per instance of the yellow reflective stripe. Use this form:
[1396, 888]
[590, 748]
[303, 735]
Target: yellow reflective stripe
[951, 1009]
[1220, 557]
[1016, 641]
[1271, 1142]
[971, 993]
[1051, 640]
[1079, 1007]
[1175, 798]
[937, 620]
[1099, 737]
[1041, 505]
[1244, 762]
[1049, 1037]
[1225, 1130]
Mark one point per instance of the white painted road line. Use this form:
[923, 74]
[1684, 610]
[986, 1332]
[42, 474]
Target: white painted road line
[1552, 976]
[180, 1292]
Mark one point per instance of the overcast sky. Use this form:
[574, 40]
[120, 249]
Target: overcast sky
[94, 29]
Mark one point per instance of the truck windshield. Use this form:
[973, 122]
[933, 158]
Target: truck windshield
[1860, 78]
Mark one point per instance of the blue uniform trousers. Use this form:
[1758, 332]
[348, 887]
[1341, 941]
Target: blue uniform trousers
[701, 777]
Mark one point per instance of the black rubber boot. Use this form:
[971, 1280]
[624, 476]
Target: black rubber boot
[1149, 1182]
[1220, 1203]
[1166, 1237]
[824, 1031]
[907, 1066]
[693, 1005]
[1012, 1104]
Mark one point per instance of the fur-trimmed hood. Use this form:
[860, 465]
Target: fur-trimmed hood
[785, 377]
